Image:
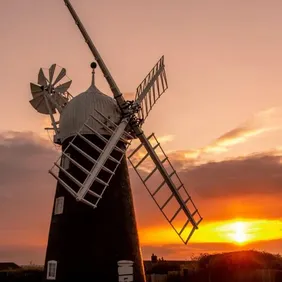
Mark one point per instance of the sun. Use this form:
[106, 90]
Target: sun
[239, 235]
[240, 232]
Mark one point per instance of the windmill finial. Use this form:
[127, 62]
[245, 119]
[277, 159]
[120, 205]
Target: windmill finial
[93, 65]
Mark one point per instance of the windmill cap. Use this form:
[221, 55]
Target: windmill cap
[79, 109]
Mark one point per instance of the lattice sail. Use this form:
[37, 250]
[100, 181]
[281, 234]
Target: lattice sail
[170, 195]
[93, 160]
[151, 89]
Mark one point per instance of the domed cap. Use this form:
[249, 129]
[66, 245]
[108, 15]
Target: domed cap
[79, 109]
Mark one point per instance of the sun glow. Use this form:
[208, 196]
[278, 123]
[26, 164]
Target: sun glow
[240, 232]
[237, 231]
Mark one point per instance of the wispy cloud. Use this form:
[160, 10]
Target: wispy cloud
[260, 123]
[166, 138]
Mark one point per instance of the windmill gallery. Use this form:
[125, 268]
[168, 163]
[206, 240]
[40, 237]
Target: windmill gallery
[93, 234]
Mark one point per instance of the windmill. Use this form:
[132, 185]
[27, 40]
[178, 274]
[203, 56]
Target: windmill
[93, 234]
[50, 97]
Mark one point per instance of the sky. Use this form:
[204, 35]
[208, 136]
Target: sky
[219, 121]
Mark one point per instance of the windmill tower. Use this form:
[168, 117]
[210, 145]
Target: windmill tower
[93, 234]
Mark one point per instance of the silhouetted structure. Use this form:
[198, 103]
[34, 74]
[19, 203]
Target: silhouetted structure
[8, 266]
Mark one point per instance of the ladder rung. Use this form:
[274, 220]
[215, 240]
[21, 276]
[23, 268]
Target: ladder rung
[157, 190]
[90, 159]
[101, 181]
[162, 184]
[191, 233]
[199, 221]
[76, 163]
[109, 129]
[188, 199]
[88, 203]
[162, 80]
[119, 149]
[135, 150]
[111, 122]
[107, 170]
[97, 133]
[152, 172]
[95, 147]
[184, 226]
[164, 159]
[145, 157]
[63, 183]
[181, 185]
[90, 143]
[150, 136]
[194, 212]
[114, 159]
[166, 202]
[94, 194]
[177, 212]
[69, 175]
[103, 124]
[83, 153]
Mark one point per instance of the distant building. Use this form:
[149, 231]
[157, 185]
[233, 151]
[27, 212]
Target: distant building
[160, 265]
[8, 266]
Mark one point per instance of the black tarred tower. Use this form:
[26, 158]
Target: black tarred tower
[87, 243]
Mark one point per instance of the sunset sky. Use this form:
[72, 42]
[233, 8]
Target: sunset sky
[220, 120]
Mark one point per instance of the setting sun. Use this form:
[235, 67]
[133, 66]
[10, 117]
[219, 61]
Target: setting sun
[240, 232]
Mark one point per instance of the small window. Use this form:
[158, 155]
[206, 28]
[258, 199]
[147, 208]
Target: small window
[66, 161]
[59, 205]
[51, 270]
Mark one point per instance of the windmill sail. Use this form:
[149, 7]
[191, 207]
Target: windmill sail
[97, 167]
[151, 89]
[42, 80]
[170, 194]
[114, 88]
[60, 76]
